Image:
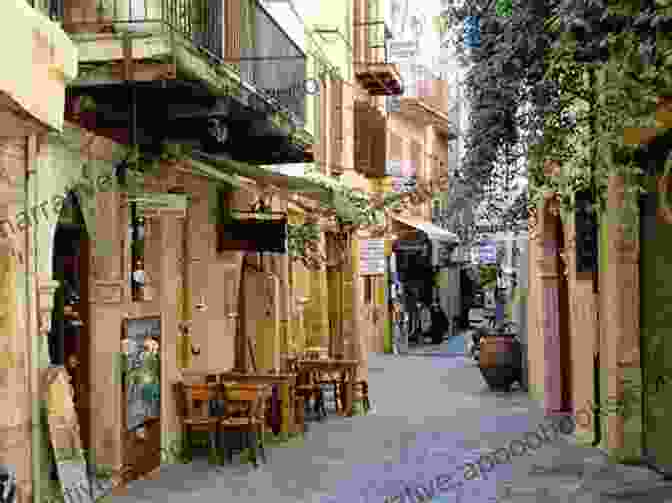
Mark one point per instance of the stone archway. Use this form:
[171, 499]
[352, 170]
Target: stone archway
[554, 308]
[69, 336]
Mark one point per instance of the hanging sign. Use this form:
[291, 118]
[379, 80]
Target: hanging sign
[392, 104]
[372, 256]
[253, 234]
[488, 253]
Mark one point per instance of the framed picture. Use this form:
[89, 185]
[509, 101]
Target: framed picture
[141, 345]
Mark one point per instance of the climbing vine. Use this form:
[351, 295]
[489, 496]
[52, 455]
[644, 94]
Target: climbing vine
[303, 244]
[600, 104]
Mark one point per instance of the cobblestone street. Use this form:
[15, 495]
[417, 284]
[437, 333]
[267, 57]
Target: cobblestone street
[431, 415]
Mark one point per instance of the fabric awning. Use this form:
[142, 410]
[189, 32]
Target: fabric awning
[433, 232]
[281, 178]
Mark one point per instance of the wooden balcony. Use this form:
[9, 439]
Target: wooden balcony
[370, 140]
[201, 71]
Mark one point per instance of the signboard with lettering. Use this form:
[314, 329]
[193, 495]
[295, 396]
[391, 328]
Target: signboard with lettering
[392, 104]
[372, 257]
[402, 50]
[488, 253]
[64, 435]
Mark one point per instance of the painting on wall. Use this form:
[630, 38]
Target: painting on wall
[141, 345]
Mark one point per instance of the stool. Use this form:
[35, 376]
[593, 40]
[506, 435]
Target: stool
[363, 388]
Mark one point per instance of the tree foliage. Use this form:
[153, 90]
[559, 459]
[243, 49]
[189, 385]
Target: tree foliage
[564, 80]
[611, 64]
[507, 93]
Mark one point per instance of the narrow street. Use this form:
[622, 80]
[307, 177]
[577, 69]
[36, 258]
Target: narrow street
[431, 414]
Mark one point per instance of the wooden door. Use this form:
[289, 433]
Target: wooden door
[656, 328]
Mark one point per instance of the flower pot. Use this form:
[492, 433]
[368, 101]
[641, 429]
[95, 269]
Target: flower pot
[500, 361]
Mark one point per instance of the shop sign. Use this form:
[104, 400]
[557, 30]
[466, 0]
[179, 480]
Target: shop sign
[402, 50]
[392, 104]
[399, 168]
[254, 234]
[372, 256]
[488, 253]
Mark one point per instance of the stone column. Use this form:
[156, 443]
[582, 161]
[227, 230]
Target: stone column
[301, 331]
[621, 350]
[109, 296]
[166, 232]
[17, 313]
[358, 339]
[317, 314]
[47, 289]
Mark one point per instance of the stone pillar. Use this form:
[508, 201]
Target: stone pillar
[317, 314]
[359, 344]
[16, 319]
[299, 341]
[282, 263]
[620, 350]
[109, 297]
[47, 289]
[166, 231]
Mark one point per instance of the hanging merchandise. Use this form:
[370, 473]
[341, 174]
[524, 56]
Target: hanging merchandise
[472, 32]
[504, 8]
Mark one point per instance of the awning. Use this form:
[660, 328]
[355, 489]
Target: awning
[284, 178]
[433, 232]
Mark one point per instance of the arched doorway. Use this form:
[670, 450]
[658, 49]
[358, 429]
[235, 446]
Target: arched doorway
[555, 312]
[69, 337]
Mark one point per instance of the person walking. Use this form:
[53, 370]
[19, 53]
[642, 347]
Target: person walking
[440, 323]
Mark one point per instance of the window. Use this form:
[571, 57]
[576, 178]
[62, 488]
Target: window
[136, 232]
[368, 289]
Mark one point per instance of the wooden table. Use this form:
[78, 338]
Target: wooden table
[346, 368]
[285, 382]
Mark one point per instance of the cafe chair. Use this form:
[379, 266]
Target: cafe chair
[362, 387]
[307, 388]
[331, 381]
[194, 413]
[244, 415]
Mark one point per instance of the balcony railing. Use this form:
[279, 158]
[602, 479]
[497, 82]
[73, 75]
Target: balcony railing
[238, 32]
[272, 62]
[52, 8]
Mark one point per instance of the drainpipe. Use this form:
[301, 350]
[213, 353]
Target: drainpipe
[32, 331]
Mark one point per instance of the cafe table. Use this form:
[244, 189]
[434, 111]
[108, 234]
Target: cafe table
[345, 368]
[285, 382]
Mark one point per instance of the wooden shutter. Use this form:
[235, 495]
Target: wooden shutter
[336, 128]
[232, 20]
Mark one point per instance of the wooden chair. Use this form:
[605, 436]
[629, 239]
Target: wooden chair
[333, 380]
[194, 413]
[307, 387]
[362, 387]
[244, 413]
